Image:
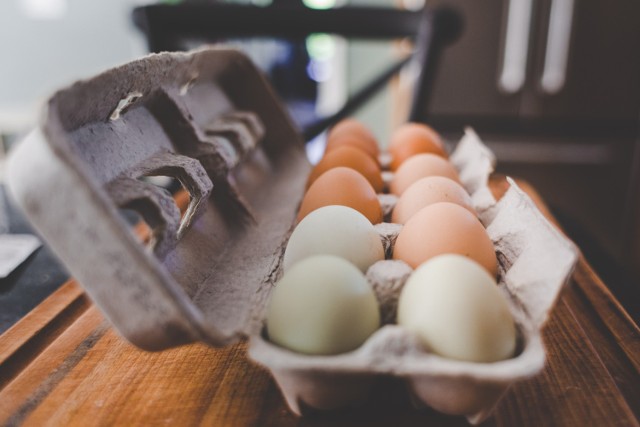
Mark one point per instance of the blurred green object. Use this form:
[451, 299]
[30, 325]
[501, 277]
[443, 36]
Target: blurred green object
[170, 1]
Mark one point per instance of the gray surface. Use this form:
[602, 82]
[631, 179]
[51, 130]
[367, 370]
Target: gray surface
[33, 281]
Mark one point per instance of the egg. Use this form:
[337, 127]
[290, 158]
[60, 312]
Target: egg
[335, 230]
[353, 158]
[342, 186]
[427, 191]
[420, 166]
[457, 311]
[354, 131]
[411, 139]
[322, 305]
[444, 228]
[353, 141]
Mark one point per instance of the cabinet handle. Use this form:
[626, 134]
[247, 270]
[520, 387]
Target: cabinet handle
[557, 53]
[516, 46]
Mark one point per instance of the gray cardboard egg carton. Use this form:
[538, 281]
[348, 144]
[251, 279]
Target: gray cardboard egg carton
[210, 120]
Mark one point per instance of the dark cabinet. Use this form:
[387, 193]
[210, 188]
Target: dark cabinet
[546, 60]
[603, 63]
[467, 79]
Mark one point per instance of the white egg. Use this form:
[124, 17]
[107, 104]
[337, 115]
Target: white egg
[322, 305]
[457, 311]
[335, 230]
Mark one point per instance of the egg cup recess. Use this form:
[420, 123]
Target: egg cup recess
[524, 242]
[210, 119]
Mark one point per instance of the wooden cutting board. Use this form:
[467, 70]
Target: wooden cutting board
[64, 365]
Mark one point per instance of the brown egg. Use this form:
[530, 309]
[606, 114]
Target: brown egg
[445, 228]
[411, 139]
[342, 186]
[349, 157]
[420, 166]
[354, 129]
[352, 141]
[427, 191]
[353, 133]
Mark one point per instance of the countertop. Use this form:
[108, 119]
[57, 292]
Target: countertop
[63, 364]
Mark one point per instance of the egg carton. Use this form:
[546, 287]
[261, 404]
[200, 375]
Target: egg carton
[535, 262]
[210, 120]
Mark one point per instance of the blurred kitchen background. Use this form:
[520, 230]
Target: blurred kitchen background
[552, 86]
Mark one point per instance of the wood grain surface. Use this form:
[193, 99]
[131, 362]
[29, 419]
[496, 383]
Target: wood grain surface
[63, 365]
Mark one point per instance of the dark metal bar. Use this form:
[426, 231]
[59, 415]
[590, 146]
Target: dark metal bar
[215, 21]
[355, 101]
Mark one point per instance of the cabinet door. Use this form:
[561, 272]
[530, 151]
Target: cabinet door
[603, 61]
[467, 80]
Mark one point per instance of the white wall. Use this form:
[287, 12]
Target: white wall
[40, 54]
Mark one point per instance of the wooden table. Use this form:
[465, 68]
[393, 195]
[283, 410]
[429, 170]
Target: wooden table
[64, 365]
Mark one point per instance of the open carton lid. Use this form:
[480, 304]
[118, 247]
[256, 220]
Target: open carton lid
[197, 117]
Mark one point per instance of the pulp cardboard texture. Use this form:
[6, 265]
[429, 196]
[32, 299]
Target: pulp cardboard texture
[210, 120]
